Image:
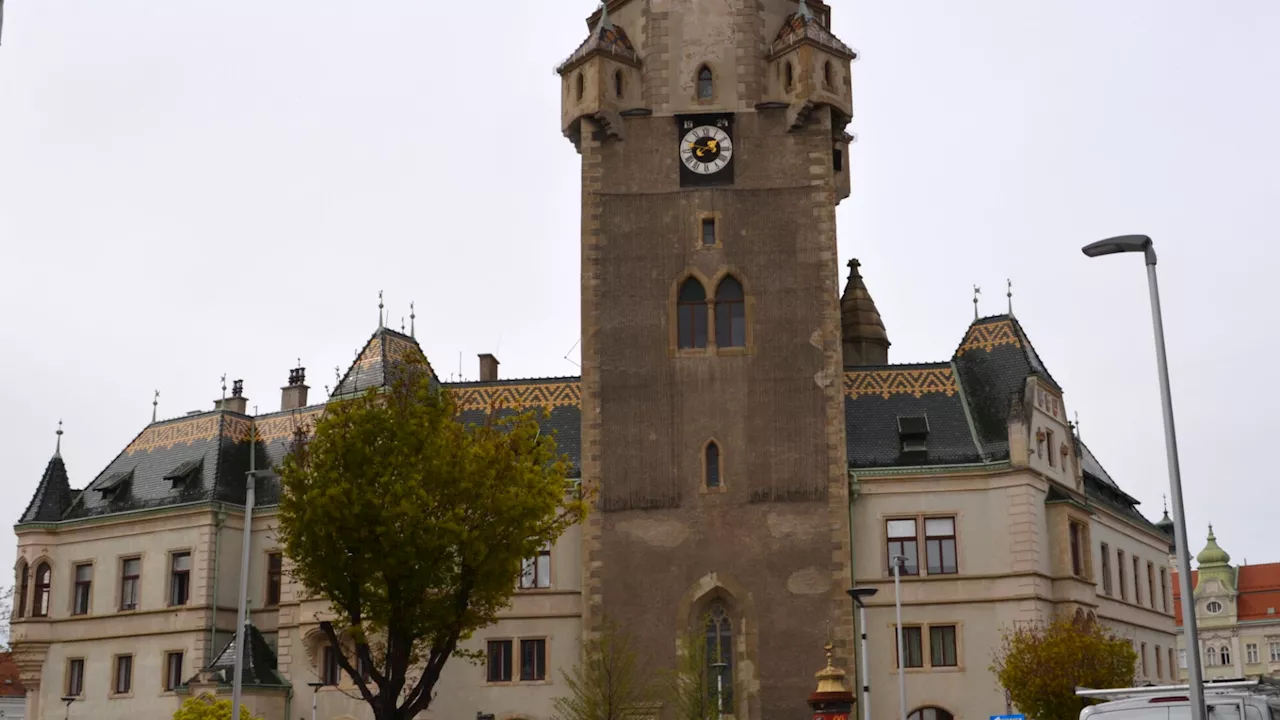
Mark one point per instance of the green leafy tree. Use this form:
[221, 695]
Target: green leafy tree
[1041, 665]
[413, 526]
[690, 689]
[607, 684]
[206, 707]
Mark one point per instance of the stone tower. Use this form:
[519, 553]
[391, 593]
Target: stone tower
[713, 144]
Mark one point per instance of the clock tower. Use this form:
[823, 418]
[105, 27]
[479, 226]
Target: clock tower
[713, 144]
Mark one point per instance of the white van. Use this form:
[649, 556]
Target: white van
[1225, 700]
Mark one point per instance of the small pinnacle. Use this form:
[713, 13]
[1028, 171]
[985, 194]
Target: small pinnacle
[976, 292]
[412, 318]
[1009, 295]
[155, 405]
[57, 451]
[379, 308]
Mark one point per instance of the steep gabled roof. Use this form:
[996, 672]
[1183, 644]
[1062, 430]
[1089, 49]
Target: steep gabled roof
[259, 661]
[375, 365]
[53, 495]
[875, 399]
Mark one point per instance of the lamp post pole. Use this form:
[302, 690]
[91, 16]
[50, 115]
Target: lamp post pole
[1143, 244]
[720, 666]
[315, 691]
[237, 682]
[68, 699]
[897, 604]
[858, 594]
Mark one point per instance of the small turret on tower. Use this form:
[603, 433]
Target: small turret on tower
[862, 330]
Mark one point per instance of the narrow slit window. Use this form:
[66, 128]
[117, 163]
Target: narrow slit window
[84, 586]
[713, 465]
[706, 84]
[708, 231]
[731, 314]
[618, 87]
[691, 311]
[826, 74]
[790, 76]
[582, 86]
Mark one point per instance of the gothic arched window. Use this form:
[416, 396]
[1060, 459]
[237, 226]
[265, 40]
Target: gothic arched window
[731, 314]
[706, 84]
[712, 468]
[23, 579]
[790, 76]
[930, 713]
[1211, 657]
[582, 85]
[691, 315]
[720, 657]
[44, 583]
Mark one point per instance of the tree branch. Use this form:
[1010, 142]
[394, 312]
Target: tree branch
[327, 628]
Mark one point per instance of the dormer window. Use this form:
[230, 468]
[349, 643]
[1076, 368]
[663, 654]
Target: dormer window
[913, 434]
[115, 486]
[180, 476]
[706, 84]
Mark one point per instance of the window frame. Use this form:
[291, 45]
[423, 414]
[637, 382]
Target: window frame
[1151, 584]
[1159, 664]
[718, 632]
[1164, 590]
[1107, 588]
[41, 599]
[275, 578]
[619, 84]
[134, 581]
[1137, 580]
[955, 646]
[536, 563]
[69, 686]
[1224, 654]
[728, 311]
[179, 579]
[1124, 590]
[1076, 539]
[941, 540]
[1251, 654]
[76, 585]
[330, 668]
[704, 88]
[505, 663]
[538, 673]
[1143, 657]
[907, 639]
[712, 482]
[696, 312]
[1273, 650]
[905, 570]
[24, 587]
[699, 230]
[116, 666]
[169, 682]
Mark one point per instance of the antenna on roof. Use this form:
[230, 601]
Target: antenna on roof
[379, 309]
[1009, 295]
[566, 355]
[412, 321]
[57, 450]
[155, 405]
[976, 292]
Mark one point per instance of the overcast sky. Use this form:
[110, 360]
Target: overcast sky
[195, 188]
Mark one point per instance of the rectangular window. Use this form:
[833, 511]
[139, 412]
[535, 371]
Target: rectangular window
[708, 231]
[913, 654]
[1124, 595]
[837, 160]
[1077, 559]
[1173, 674]
[362, 667]
[1151, 584]
[330, 671]
[536, 571]
[533, 660]
[1251, 653]
[1137, 584]
[1049, 441]
[902, 542]
[179, 578]
[1106, 570]
[1164, 590]
[83, 589]
[130, 575]
[275, 573]
[942, 646]
[499, 655]
[1159, 664]
[123, 681]
[75, 677]
[1182, 658]
[172, 670]
[1144, 659]
[1273, 647]
[940, 545]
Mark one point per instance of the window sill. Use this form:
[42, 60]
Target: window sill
[121, 696]
[516, 683]
[535, 590]
[730, 351]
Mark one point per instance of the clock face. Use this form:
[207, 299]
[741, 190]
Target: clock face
[706, 149]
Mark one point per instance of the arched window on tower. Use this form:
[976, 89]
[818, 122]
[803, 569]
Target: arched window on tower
[706, 84]
[582, 85]
[44, 583]
[731, 314]
[617, 83]
[24, 577]
[790, 75]
[691, 315]
[712, 464]
[930, 713]
[826, 74]
[720, 657]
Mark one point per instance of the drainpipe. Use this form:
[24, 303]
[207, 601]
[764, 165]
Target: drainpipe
[218, 521]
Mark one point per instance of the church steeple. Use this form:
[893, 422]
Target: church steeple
[862, 330]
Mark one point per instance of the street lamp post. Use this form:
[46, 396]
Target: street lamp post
[1143, 244]
[315, 690]
[898, 560]
[720, 666]
[68, 699]
[858, 594]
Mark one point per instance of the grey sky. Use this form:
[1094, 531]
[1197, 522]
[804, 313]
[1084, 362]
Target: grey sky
[193, 188]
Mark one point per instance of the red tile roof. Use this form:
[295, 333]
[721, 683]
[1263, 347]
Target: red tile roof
[1259, 588]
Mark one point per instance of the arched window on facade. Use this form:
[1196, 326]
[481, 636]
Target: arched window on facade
[617, 83]
[720, 656]
[712, 465]
[691, 315]
[930, 713]
[44, 583]
[1225, 654]
[23, 579]
[706, 83]
[731, 314]
[1211, 657]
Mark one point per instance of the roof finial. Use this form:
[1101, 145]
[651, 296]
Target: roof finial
[605, 23]
[224, 386]
[412, 322]
[976, 292]
[401, 324]
[803, 11]
[1009, 294]
[1077, 425]
[155, 405]
[1164, 500]
[57, 450]
[379, 309]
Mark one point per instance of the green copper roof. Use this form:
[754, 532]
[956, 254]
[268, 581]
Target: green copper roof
[1212, 554]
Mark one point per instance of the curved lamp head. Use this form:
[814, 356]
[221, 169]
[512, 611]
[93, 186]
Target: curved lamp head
[860, 593]
[1123, 244]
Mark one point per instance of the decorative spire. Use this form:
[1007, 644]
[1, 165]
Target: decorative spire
[1212, 554]
[155, 406]
[401, 324]
[57, 450]
[1009, 294]
[1077, 424]
[976, 292]
[224, 386]
[861, 327]
[412, 321]
[830, 678]
[379, 309]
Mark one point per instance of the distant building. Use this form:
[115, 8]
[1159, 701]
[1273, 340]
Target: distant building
[1238, 616]
[13, 696]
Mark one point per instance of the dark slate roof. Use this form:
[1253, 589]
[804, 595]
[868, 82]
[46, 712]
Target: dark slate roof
[259, 661]
[560, 397]
[875, 397]
[53, 495]
[375, 364]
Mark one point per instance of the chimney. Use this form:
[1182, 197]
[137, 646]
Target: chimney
[294, 395]
[488, 368]
[237, 402]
